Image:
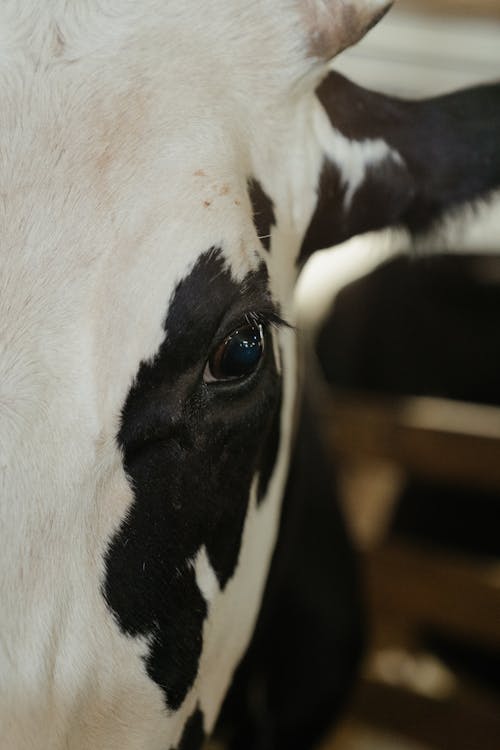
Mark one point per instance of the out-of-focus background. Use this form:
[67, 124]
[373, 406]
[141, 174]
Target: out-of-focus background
[426, 47]
[409, 399]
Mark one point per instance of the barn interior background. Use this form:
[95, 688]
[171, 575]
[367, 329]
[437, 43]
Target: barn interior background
[411, 413]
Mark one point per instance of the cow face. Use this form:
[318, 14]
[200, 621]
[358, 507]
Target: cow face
[159, 163]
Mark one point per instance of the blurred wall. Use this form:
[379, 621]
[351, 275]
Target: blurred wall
[426, 47]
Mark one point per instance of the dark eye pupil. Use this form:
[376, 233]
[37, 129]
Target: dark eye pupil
[239, 354]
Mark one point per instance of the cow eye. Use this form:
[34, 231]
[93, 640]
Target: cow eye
[238, 356]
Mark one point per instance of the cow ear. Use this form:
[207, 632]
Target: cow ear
[333, 25]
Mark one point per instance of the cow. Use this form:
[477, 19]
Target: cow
[163, 167]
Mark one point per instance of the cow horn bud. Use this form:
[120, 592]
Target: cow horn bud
[334, 25]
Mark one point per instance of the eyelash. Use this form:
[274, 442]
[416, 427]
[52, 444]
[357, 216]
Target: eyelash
[266, 319]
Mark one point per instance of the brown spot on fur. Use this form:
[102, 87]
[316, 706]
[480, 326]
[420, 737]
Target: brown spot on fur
[237, 202]
[58, 42]
[224, 190]
[117, 124]
[200, 173]
[105, 159]
[207, 203]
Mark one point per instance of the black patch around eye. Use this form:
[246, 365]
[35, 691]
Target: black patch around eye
[191, 454]
[263, 212]
[193, 735]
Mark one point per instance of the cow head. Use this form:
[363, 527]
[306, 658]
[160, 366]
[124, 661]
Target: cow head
[164, 166]
[159, 165]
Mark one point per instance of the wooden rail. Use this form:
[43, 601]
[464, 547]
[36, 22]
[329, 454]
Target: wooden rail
[445, 592]
[436, 438]
[413, 588]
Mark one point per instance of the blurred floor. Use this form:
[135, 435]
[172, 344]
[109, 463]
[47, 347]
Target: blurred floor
[356, 736]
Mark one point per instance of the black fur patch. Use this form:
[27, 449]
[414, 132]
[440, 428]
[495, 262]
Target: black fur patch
[191, 450]
[194, 734]
[263, 212]
[381, 199]
[450, 151]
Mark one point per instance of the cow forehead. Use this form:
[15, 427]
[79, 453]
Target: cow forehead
[109, 82]
[235, 50]
[101, 149]
[107, 202]
[115, 157]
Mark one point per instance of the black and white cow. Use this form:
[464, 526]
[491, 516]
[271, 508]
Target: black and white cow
[159, 169]
[413, 325]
